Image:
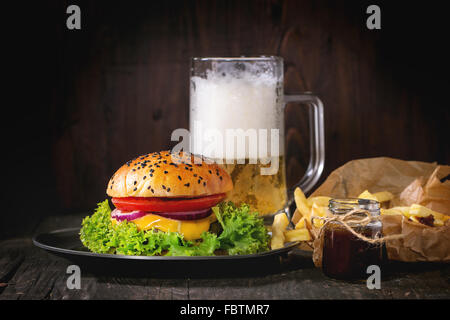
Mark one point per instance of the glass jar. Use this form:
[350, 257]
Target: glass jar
[346, 256]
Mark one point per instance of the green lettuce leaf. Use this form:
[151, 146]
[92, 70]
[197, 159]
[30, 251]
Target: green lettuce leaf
[99, 235]
[243, 231]
[97, 229]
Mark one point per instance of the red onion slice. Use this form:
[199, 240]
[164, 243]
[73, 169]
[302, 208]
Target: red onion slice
[187, 215]
[120, 216]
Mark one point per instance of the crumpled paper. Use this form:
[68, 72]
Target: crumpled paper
[411, 182]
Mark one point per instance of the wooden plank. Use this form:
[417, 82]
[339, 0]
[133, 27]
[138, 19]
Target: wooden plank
[34, 278]
[169, 289]
[123, 87]
[31, 273]
[43, 277]
[11, 257]
[312, 284]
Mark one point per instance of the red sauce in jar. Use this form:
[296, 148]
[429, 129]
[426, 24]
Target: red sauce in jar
[345, 256]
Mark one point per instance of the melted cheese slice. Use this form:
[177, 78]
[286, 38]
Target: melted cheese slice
[191, 229]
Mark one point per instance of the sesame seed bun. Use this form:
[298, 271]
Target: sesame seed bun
[162, 174]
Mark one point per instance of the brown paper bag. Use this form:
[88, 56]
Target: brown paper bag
[410, 182]
[433, 193]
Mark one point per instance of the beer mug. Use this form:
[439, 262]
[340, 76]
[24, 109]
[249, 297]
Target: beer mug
[237, 110]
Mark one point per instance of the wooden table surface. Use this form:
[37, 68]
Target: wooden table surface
[27, 272]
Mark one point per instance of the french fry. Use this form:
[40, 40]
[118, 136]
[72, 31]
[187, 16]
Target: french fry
[296, 216]
[417, 211]
[403, 210]
[297, 235]
[367, 195]
[414, 219]
[320, 201]
[383, 196]
[317, 206]
[300, 224]
[302, 203]
[438, 223]
[280, 223]
[318, 212]
[391, 211]
[421, 211]
[396, 210]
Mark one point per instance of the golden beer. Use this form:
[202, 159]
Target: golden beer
[237, 112]
[265, 194]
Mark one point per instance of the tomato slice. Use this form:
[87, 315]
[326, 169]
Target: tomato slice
[167, 204]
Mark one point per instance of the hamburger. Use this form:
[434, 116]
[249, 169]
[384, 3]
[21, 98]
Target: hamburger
[172, 204]
[168, 192]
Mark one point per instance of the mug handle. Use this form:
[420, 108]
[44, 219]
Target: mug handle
[316, 128]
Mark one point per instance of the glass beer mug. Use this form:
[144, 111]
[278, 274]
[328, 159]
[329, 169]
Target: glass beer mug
[237, 119]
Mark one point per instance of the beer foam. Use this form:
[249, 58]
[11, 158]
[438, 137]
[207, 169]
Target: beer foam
[236, 96]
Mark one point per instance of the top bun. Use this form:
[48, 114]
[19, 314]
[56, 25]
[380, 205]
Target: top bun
[165, 174]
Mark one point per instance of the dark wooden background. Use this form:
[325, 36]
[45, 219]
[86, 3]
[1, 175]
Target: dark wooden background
[81, 103]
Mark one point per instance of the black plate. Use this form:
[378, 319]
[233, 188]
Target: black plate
[66, 243]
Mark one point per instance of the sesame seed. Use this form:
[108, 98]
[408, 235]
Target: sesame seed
[168, 189]
[135, 182]
[144, 177]
[210, 171]
[204, 184]
[134, 189]
[187, 184]
[195, 174]
[163, 186]
[198, 181]
[179, 178]
[220, 177]
[165, 172]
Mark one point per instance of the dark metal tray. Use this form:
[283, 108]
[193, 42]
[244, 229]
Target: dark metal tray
[66, 243]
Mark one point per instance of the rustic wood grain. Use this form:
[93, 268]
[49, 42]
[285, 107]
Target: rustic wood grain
[28, 272]
[89, 100]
